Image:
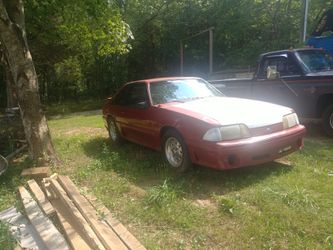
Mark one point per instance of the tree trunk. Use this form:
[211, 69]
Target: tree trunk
[15, 47]
[12, 101]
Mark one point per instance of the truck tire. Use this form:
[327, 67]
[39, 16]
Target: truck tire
[327, 120]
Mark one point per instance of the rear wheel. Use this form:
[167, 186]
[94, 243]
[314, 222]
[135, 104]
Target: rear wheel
[327, 120]
[175, 151]
[113, 131]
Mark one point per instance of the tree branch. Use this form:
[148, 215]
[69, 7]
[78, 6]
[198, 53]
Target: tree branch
[3, 13]
[15, 12]
[156, 14]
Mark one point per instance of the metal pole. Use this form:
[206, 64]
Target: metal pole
[181, 49]
[305, 18]
[210, 50]
[181, 58]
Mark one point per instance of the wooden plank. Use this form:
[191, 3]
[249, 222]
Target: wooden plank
[70, 227]
[46, 186]
[43, 225]
[41, 198]
[89, 234]
[122, 232]
[41, 172]
[107, 236]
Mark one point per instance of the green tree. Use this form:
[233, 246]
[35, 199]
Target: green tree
[19, 63]
[66, 37]
[71, 36]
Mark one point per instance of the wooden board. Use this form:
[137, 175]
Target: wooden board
[70, 227]
[41, 198]
[43, 225]
[107, 236]
[46, 186]
[89, 234]
[41, 172]
[122, 232]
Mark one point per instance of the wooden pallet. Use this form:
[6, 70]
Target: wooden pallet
[49, 234]
[58, 199]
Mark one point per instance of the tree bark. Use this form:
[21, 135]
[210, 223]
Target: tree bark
[12, 101]
[20, 63]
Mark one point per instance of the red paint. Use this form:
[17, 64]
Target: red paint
[145, 125]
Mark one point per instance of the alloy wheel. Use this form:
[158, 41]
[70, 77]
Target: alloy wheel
[113, 131]
[174, 152]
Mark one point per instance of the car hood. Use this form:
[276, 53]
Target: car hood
[228, 110]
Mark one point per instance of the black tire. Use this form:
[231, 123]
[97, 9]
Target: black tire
[114, 134]
[175, 151]
[327, 120]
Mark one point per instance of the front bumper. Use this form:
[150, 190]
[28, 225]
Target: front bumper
[248, 152]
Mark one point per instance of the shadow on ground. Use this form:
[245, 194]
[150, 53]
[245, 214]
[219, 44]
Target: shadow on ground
[315, 130]
[147, 168]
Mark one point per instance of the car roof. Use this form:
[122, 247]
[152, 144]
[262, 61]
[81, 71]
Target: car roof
[160, 79]
[290, 51]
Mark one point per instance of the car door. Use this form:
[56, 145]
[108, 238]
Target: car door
[132, 111]
[282, 89]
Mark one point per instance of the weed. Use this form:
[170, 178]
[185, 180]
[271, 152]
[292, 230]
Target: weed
[295, 198]
[225, 204]
[329, 240]
[6, 240]
[161, 195]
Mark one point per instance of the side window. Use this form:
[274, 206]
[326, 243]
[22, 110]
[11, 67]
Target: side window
[133, 95]
[285, 66]
[120, 98]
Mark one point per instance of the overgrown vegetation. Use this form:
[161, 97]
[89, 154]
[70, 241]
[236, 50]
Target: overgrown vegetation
[274, 206]
[68, 107]
[86, 50]
[6, 240]
[9, 183]
[89, 49]
[277, 205]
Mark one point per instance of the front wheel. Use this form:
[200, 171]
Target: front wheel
[175, 151]
[327, 120]
[113, 131]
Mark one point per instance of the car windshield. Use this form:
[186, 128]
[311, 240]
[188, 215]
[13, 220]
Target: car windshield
[315, 60]
[181, 90]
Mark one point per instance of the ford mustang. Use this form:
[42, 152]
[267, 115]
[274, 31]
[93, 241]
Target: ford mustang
[194, 123]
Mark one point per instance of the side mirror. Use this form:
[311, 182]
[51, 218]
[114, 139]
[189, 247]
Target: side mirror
[272, 73]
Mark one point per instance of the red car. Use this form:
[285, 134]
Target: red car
[192, 122]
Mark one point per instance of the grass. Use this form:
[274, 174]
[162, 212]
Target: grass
[67, 107]
[9, 183]
[273, 206]
[6, 240]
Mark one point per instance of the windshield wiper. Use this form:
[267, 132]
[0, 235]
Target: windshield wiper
[176, 100]
[182, 100]
[195, 98]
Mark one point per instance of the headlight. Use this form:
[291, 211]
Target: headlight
[232, 132]
[290, 120]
